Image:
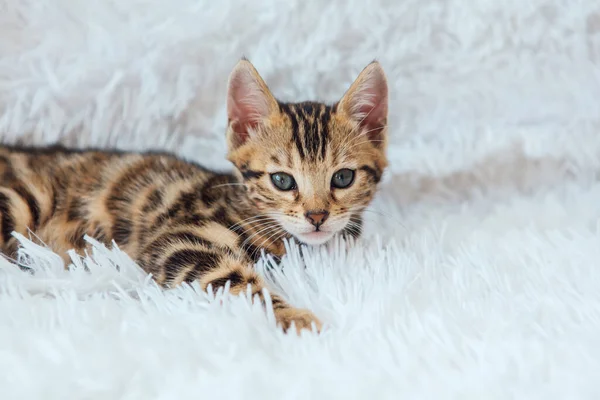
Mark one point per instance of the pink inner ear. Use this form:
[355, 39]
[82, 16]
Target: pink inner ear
[366, 102]
[243, 119]
[247, 105]
[371, 112]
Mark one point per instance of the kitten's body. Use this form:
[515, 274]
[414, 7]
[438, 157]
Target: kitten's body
[144, 202]
[182, 222]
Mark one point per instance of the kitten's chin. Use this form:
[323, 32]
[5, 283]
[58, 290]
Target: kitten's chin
[314, 238]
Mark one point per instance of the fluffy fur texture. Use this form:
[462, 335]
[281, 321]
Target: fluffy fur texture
[478, 273]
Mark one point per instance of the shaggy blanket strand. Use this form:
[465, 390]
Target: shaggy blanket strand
[478, 276]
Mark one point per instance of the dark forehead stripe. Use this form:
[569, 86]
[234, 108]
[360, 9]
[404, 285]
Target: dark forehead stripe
[310, 131]
[310, 127]
[286, 109]
[324, 119]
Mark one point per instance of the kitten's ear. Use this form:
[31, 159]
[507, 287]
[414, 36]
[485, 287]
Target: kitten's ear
[249, 102]
[366, 102]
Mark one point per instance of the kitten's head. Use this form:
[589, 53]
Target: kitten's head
[310, 166]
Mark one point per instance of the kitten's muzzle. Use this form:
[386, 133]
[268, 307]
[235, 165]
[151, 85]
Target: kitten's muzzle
[317, 217]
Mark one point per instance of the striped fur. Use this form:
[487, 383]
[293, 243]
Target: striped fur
[182, 222]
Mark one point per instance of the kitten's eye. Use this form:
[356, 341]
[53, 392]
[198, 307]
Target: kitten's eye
[283, 181]
[342, 178]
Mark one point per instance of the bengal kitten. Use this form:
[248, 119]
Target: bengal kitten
[303, 170]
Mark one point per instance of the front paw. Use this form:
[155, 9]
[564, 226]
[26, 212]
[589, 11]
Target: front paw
[302, 319]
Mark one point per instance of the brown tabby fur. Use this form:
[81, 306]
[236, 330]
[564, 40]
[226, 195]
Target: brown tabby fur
[182, 222]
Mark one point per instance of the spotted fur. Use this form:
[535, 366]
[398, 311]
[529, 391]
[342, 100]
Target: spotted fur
[182, 222]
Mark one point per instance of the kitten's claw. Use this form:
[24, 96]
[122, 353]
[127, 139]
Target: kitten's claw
[302, 319]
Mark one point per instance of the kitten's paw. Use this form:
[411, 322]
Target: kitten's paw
[303, 319]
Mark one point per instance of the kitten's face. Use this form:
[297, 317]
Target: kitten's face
[311, 167]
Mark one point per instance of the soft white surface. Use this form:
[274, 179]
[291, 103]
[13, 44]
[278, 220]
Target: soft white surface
[478, 276]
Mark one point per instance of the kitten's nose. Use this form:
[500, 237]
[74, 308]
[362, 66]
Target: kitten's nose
[317, 217]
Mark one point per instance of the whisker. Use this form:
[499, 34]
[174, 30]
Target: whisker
[275, 231]
[36, 236]
[386, 215]
[349, 139]
[248, 220]
[356, 214]
[380, 213]
[268, 219]
[227, 184]
[265, 227]
[266, 242]
[361, 143]
[278, 234]
[354, 229]
[19, 264]
[258, 229]
[349, 143]
[260, 224]
[247, 223]
[375, 129]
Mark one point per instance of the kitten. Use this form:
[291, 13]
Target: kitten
[303, 170]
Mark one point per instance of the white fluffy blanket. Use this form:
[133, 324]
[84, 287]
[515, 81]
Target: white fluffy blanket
[478, 276]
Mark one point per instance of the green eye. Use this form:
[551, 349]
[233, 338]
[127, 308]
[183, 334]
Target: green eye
[283, 181]
[342, 178]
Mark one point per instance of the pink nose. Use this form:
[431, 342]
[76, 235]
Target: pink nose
[317, 217]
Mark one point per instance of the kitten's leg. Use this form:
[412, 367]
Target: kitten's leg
[187, 263]
[18, 212]
[26, 199]
[241, 275]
